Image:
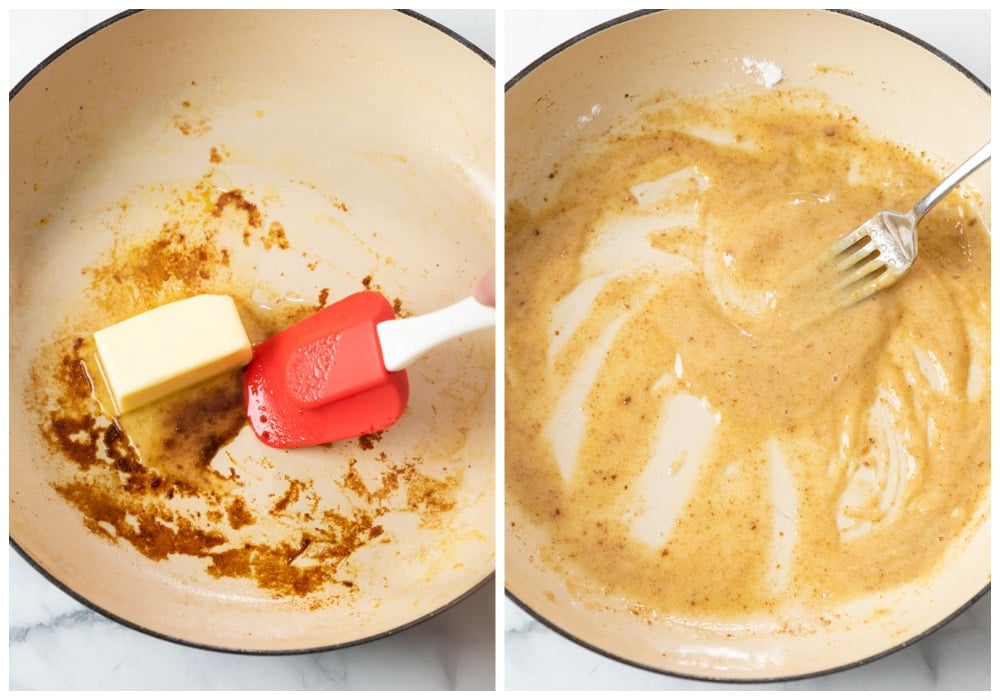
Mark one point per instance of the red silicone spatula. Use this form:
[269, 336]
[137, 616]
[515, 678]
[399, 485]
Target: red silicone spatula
[340, 373]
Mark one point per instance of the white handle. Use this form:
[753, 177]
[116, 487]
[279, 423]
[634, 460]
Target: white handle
[403, 340]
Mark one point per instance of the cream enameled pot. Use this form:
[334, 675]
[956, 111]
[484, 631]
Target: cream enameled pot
[287, 158]
[580, 92]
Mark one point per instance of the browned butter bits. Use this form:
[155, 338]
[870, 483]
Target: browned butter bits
[694, 423]
[160, 479]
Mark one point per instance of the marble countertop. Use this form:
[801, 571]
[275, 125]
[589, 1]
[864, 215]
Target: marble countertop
[56, 643]
[957, 656]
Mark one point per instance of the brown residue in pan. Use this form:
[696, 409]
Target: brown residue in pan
[160, 479]
[367, 442]
[234, 198]
[291, 496]
[167, 267]
[368, 282]
[189, 122]
[431, 498]
[275, 236]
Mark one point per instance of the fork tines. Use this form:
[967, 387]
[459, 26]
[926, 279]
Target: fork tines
[859, 256]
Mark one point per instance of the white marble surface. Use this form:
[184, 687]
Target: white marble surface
[956, 656]
[56, 643]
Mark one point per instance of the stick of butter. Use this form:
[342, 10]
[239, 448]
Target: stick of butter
[169, 348]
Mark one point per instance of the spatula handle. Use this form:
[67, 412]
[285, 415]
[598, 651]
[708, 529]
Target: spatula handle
[403, 340]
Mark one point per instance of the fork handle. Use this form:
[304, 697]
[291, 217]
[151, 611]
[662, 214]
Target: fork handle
[948, 184]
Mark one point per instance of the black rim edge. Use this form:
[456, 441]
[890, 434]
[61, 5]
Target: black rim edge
[66, 47]
[453, 34]
[573, 41]
[127, 13]
[919, 42]
[849, 13]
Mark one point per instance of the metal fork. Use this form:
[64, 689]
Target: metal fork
[877, 253]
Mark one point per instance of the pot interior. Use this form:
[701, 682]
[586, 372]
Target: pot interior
[559, 114]
[287, 159]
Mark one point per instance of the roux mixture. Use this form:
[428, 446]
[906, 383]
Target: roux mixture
[694, 421]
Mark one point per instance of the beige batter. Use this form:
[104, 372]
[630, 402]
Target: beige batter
[692, 418]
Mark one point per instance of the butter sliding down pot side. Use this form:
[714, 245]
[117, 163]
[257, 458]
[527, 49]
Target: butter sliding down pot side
[609, 75]
[286, 159]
